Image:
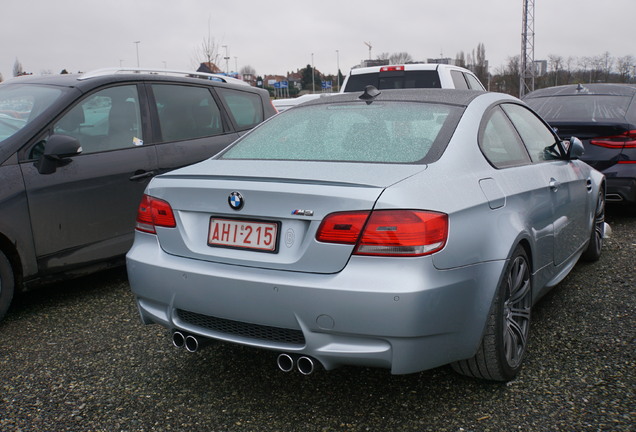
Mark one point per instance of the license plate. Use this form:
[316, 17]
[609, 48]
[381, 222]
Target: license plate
[243, 234]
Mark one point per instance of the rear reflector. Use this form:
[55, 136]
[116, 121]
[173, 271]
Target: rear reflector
[153, 212]
[624, 140]
[387, 232]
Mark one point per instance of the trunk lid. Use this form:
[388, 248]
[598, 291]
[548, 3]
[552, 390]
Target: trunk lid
[290, 198]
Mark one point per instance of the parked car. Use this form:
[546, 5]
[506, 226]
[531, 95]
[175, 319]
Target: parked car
[603, 116]
[77, 151]
[403, 230]
[416, 75]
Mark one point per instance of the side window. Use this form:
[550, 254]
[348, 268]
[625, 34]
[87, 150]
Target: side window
[106, 120]
[245, 107]
[473, 82]
[500, 143]
[458, 80]
[186, 112]
[534, 133]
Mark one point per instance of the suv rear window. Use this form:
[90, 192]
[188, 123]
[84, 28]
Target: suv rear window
[394, 80]
[389, 132]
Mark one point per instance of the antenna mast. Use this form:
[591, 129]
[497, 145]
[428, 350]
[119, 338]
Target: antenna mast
[526, 66]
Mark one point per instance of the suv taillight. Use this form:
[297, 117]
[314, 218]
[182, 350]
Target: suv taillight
[624, 140]
[387, 232]
[153, 212]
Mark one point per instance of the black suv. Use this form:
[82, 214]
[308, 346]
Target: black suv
[77, 151]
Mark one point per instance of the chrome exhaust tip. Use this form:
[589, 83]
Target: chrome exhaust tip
[178, 339]
[306, 365]
[191, 344]
[285, 362]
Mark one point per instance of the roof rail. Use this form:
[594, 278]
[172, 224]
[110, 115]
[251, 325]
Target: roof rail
[110, 71]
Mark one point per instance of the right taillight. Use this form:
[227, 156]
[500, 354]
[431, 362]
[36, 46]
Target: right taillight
[153, 212]
[624, 140]
[387, 232]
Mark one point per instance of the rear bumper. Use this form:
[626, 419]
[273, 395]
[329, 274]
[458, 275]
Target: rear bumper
[621, 190]
[406, 317]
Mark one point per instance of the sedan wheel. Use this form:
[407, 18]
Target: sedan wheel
[593, 251]
[505, 340]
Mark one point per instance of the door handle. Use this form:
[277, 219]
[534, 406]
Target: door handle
[141, 175]
[554, 185]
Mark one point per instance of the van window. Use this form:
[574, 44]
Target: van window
[245, 108]
[459, 80]
[186, 112]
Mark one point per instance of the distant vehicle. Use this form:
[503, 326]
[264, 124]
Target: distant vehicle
[393, 229]
[77, 151]
[417, 75]
[603, 116]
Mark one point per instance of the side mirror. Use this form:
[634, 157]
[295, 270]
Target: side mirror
[575, 149]
[56, 153]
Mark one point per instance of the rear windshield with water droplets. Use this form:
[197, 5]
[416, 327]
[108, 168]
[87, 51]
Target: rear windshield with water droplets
[384, 132]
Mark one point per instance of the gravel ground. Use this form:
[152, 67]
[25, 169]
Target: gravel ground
[75, 358]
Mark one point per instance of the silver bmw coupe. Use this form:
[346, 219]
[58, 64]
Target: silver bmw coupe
[401, 229]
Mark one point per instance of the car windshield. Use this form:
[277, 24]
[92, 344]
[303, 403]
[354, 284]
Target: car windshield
[394, 80]
[387, 132]
[22, 103]
[595, 108]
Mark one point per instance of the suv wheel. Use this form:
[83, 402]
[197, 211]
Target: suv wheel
[6, 284]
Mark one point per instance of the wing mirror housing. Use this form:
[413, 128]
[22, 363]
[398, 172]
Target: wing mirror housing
[57, 151]
[575, 149]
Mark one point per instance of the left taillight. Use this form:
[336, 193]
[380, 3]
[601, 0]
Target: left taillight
[153, 212]
[624, 140]
[387, 232]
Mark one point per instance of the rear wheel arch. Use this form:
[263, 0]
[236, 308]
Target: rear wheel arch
[504, 341]
[11, 253]
[7, 276]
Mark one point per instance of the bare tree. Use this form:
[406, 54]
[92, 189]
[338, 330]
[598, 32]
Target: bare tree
[248, 70]
[460, 59]
[400, 58]
[555, 64]
[17, 68]
[625, 65]
[208, 51]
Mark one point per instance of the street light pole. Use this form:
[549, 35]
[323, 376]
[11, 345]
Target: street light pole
[137, 46]
[313, 85]
[227, 61]
[338, 67]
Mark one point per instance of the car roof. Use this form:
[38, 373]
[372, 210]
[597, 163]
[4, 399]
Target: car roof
[447, 96]
[607, 89]
[96, 78]
[406, 67]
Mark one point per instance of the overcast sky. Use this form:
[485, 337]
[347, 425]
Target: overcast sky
[277, 37]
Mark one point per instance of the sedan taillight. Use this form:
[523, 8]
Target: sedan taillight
[387, 232]
[624, 140]
[153, 212]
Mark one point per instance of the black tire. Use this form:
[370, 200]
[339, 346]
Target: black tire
[593, 251]
[505, 339]
[7, 284]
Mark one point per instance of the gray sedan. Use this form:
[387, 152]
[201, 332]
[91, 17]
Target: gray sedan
[402, 229]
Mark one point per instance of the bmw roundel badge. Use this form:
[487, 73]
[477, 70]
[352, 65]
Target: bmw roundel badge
[236, 200]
